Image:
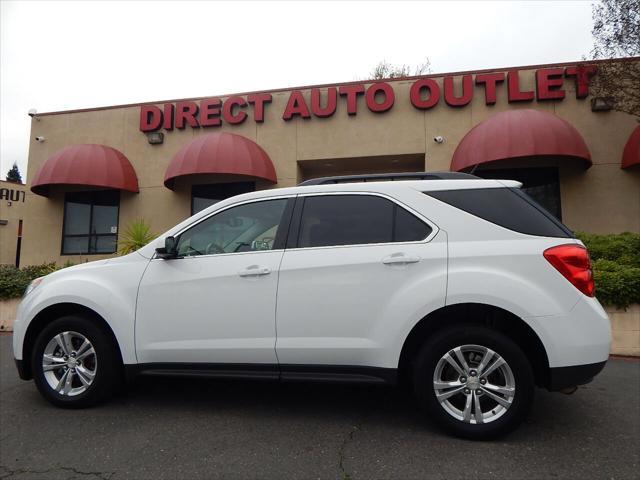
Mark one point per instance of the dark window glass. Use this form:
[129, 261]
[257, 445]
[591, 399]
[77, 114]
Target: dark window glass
[542, 184]
[408, 228]
[90, 222]
[356, 220]
[508, 207]
[245, 228]
[203, 196]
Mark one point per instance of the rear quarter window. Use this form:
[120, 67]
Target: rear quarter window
[508, 207]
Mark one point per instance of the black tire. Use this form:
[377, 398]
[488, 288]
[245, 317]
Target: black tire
[441, 343]
[108, 371]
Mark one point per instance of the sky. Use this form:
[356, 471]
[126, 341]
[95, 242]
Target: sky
[69, 55]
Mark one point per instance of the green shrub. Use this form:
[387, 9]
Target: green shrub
[616, 284]
[13, 281]
[137, 235]
[623, 248]
[615, 260]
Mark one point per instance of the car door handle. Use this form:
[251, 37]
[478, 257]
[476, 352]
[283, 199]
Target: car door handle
[400, 259]
[254, 271]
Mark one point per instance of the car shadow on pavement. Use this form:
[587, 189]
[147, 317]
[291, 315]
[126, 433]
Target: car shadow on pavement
[260, 397]
[391, 408]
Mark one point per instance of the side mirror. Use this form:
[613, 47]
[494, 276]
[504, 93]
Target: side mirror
[169, 250]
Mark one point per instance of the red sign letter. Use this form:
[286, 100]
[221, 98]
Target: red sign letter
[168, 116]
[548, 83]
[186, 111]
[227, 110]
[209, 113]
[258, 100]
[515, 95]
[583, 74]
[330, 109]
[416, 93]
[384, 89]
[490, 81]
[351, 92]
[296, 106]
[150, 118]
[467, 91]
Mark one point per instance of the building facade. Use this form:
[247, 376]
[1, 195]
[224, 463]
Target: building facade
[93, 172]
[12, 210]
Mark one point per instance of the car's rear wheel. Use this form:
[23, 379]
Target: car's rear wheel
[475, 382]
[75, 363]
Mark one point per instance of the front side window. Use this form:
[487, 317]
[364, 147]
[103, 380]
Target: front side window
[245, 228]
[334, 220]
[90, 222]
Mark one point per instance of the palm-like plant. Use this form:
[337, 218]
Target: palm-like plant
[136, 235]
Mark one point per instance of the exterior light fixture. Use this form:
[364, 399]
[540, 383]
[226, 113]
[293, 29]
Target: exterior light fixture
[155, 138]
[601, 104]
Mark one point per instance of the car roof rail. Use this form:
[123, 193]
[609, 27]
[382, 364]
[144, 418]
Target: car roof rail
[382, 177]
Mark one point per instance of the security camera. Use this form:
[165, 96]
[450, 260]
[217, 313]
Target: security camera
[40, 139]
[438, 139]
[33, 112]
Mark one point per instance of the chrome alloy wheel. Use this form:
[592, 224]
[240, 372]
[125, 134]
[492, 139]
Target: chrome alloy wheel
[69, 363]
[474, 384]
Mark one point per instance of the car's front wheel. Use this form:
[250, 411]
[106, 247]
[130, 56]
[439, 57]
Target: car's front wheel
[75, 363]
[475, 382]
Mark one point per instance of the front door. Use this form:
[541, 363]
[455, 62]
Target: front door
[216, 302]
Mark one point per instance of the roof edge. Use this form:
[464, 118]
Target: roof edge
[353, 82]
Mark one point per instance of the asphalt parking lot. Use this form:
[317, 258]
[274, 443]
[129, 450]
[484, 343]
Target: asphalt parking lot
[166, 428]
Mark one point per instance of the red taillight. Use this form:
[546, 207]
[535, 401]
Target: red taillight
[572, 261]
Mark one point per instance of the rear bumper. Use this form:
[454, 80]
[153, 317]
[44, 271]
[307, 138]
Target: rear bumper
[579, 337]
[23, 372]
[565, 377]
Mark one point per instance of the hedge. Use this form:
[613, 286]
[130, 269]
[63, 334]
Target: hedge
[622, 248]
[616, 267]
[615, 260]
[14, 281]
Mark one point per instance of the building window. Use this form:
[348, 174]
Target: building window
[90, 222]
[203, 196]
[542, 184]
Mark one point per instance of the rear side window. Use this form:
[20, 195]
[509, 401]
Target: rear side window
[355, 220]
[508, 207]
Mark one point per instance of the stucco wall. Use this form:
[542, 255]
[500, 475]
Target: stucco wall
[11, 211]
[601, 199]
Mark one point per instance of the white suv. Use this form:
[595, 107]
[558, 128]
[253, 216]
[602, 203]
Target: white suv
[464, 288]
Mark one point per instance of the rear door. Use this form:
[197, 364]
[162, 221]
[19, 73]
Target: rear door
[357, 267]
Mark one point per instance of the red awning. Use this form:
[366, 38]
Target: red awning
[631, 153]
[88, 165]
[220, 153]
[519, 133]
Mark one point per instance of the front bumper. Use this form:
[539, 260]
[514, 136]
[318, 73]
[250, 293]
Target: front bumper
[566, 377]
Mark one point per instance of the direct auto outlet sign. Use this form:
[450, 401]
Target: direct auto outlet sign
[379, 97]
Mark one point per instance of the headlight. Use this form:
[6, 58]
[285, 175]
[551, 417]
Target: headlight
[32, 286]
